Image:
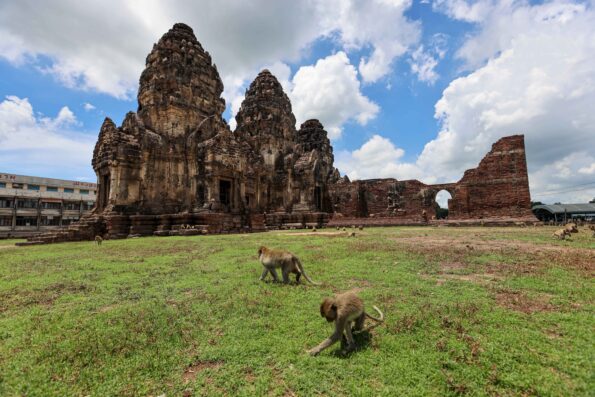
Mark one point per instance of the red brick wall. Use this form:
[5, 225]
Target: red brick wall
[498, 187]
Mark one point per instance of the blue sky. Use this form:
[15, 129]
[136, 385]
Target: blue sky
[425, 86]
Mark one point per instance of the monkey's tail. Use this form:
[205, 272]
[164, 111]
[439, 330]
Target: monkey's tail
[379, 320]
[301, 267]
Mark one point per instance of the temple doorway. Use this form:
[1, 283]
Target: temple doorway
[318, 198]
[104, 189]
[225, 193]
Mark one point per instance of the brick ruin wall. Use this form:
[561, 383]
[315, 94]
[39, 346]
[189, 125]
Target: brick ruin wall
[497, 188]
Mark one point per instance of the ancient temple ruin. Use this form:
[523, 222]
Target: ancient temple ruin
[175, 167]
[497, 191]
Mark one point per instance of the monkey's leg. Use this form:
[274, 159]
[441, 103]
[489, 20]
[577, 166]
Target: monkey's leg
[264, 274]
[285, 273]
[350, 341]
[274, 274]
[359, 323]
[334, 338]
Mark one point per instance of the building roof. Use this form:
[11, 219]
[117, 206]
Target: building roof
[567, 208]
[39, 180]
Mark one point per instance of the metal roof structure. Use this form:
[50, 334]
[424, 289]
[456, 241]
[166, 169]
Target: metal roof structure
[567, 208]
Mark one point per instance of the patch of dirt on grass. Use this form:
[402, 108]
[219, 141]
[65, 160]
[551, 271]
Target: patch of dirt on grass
[41, 296]
[472, 243]
[107, 308]
[191, 372]
[520, 257]
[459, 271]
[249, 375]
[360, 284]
[327, 234]
[450, 267]
[520, 302]
[481, 278]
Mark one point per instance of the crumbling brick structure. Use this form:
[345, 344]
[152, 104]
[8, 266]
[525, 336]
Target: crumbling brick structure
[175, 167]
[497, 188]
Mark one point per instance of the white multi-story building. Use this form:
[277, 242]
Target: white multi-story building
[30, 204]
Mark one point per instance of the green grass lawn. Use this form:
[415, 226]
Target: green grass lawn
[469, 311]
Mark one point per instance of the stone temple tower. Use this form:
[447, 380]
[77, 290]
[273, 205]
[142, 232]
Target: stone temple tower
[180, 86]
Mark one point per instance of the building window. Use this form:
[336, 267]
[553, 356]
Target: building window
[32, 187]
[83, 191]
[30, 221]
[68, 190]
[5, 220]
[88, 205]
[50, 205]
[17, 185]
[72, 206]
[68, 220]
[50, 221]
[2, 184]
[52, 189]
[26, 203]
[6, 202]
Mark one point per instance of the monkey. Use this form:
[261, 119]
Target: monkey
[351, 234]
[561, 234]
[361, 227]
[98, 240]
[344, 229]
[288, 262]
[338, 227]
[345, 309]
[592, 228]
[313, 229]
[571, 227]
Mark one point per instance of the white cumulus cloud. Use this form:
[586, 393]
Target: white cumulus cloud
[33, 144]
[379, 24]
[376, 158]
[330, 91]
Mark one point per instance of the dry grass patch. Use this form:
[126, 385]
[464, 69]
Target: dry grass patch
[520, 302]
[192, 371]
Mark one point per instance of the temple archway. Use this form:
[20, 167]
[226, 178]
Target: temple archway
[442, 198]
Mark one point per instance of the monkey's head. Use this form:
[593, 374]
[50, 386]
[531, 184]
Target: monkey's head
[328, 310]
[261, 249]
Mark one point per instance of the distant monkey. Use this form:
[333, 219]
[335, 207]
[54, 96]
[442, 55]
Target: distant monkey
[338, 227]
[313, 229]
[286, 261]
[351, 234]
[561, 234]
[98, 240]
[361, 227]
[344, 309]
[571, 227]
[344, 229]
